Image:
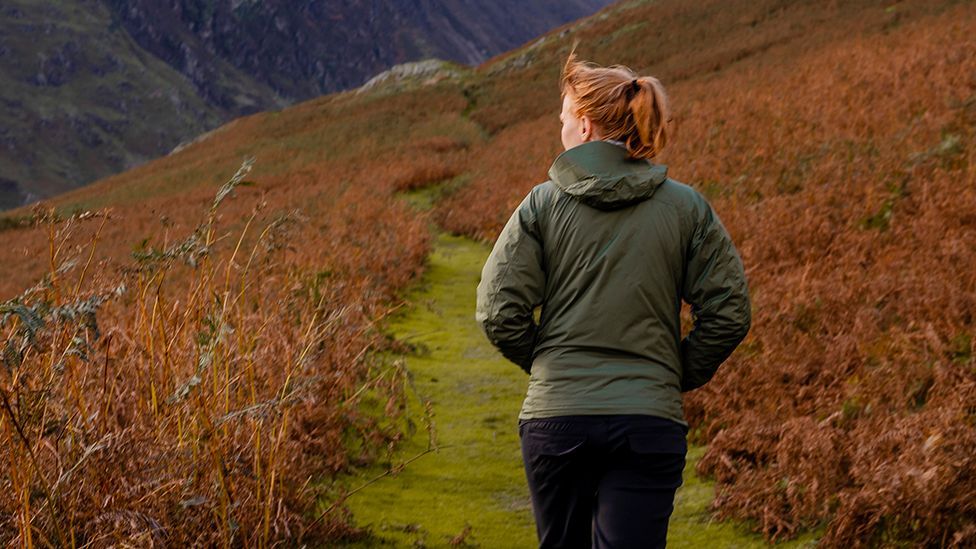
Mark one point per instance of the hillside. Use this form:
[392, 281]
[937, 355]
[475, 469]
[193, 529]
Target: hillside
[79, 103]
[94, 88]
[834, 140]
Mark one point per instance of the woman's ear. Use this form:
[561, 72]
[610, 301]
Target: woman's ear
[588, 130]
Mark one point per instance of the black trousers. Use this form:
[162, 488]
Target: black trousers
[603, 481]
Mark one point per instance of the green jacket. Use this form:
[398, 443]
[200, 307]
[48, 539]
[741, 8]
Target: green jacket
[608, 248]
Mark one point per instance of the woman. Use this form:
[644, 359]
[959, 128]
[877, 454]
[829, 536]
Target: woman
[608, 247]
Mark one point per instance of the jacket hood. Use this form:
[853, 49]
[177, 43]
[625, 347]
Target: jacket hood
[600, 174]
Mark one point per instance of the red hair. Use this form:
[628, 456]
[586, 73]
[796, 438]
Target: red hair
[624, 106]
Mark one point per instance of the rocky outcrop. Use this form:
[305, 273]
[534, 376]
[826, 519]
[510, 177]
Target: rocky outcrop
[428, 71]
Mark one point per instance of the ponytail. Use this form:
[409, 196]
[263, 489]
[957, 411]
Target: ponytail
[651, 117]
[626, 107]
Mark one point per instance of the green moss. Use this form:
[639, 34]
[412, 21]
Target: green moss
[474, 486]
[424, 198]
[475, 480]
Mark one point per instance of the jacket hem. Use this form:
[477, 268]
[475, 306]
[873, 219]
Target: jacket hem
[577, 411]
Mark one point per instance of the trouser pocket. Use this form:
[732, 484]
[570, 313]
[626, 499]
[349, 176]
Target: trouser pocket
[561, 483]
[540, 446]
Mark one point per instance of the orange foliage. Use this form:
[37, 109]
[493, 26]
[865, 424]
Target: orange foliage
[192, 396]
[210, 404]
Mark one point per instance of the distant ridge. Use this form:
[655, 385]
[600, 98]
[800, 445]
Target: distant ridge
[90, 89]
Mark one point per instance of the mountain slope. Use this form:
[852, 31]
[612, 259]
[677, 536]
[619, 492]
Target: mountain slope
[301, 49]
[78, 103]
[94, 88]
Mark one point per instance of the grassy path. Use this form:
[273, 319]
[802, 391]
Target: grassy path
[472, 491]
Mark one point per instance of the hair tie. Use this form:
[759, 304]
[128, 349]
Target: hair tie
[634, 85]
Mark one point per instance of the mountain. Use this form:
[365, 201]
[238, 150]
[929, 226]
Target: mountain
[80, 100]
[301, 49]
[94, 87]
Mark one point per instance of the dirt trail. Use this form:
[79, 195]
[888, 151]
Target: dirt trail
[472, 490]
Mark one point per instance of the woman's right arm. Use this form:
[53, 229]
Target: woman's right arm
[512, 284]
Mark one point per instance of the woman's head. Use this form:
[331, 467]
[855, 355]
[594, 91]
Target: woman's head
[613, 103]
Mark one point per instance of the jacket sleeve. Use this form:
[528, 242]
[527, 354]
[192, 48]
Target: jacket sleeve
[716, 288]
[512, 285]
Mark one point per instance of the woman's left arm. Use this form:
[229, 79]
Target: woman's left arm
[512, 285]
